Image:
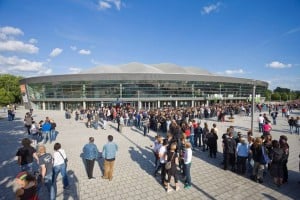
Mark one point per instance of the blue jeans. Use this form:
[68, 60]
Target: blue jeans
[9, 117]
[46, 135]
[49, 184]
[52, 135]
[63, 171]
[27, 167]
[187, 171]
[192, 141]
[260, 125]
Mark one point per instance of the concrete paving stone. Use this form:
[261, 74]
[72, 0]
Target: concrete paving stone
[133, 168]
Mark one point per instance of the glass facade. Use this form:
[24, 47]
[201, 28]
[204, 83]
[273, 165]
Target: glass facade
[72, 94]
[138, 89]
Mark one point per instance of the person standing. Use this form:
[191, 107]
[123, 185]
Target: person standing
[46, 170]
[242, 150]
[260, 120]
[25, 156]
[146, 125]
[285, 147]
[187, 165]
[121, 123]
[52, 131]
[212, 139]
[90, 153]
[59, 166]
[229, 152]
[27, 186]
[172, 157]
[28, 122]
[46, 128]
[276, 169]
[109, 154]
[257, 155]
[162, 161]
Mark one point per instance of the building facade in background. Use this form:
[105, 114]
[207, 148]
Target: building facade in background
[138, 85]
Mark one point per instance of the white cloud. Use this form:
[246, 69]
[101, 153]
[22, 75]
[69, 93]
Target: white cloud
[45, 72]
[278, 65]
[84, 52]
[238, 71]
[55, 52]
[107, 4]
[18, 46]
[7, 31]
[19, 64]
[117, 3]
[95, 62]
[290, 82]
[73, 48]
[210, 8]
[74, 70]
[33, 41]
[104, 5]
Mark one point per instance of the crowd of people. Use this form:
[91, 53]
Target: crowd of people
[183, 133]
[38, 167]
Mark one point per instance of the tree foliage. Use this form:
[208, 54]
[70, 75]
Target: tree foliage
[9, 89]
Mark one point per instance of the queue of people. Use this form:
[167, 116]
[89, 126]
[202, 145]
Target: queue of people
[173, 154]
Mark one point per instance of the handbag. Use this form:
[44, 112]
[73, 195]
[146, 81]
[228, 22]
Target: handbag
[169, 163]
[65, 159]
[264, 158]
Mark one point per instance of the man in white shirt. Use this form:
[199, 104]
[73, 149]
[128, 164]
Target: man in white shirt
[162, 154]
[261, 121]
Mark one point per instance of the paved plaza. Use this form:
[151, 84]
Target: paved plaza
[133, 176]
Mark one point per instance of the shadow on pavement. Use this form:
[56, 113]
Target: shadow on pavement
[290, 189]
[12, 132]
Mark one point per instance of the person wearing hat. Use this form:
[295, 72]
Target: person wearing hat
[27, 186]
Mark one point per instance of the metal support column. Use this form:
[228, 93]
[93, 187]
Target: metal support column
[252, 108]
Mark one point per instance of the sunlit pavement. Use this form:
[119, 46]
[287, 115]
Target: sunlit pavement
[133, 174]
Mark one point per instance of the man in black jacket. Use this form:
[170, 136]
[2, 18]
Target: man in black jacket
[229, 152]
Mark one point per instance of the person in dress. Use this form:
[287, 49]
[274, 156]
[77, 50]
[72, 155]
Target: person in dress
[172, 157]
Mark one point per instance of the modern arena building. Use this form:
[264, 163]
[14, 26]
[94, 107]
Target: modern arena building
[139, 85]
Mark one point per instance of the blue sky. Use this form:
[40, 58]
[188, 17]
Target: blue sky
[257, 39]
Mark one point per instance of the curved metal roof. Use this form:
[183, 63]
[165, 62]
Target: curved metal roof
[135, 67]
[139, 71]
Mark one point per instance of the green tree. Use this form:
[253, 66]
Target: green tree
[268, 94]
[276, 96]
[10, 89]
[282, 90]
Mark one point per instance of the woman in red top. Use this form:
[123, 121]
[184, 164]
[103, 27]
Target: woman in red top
[267, 128]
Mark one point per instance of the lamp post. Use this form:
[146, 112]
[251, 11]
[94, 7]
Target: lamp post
[138, 93]
[252, 107]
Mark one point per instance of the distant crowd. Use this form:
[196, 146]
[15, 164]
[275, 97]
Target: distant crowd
[180, 132]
